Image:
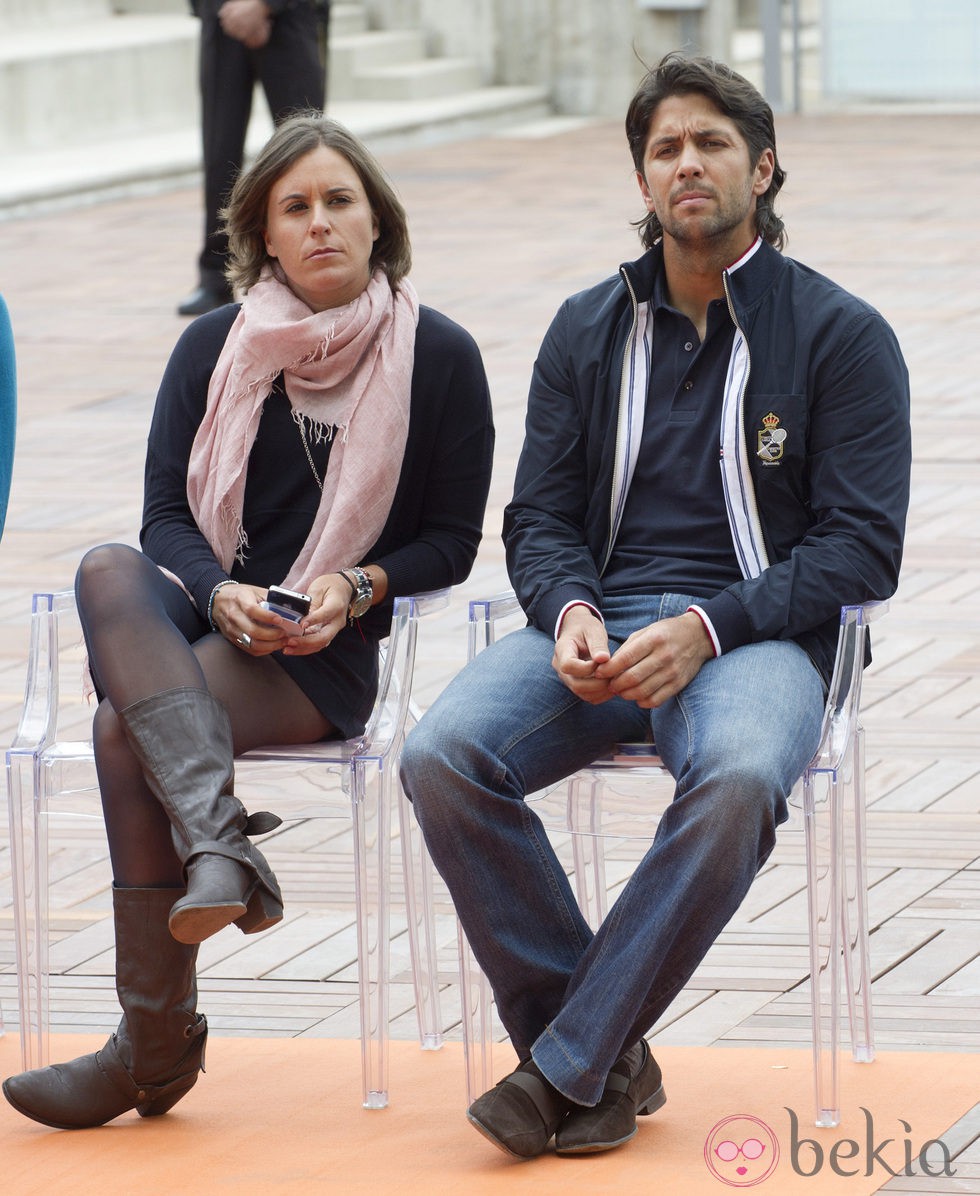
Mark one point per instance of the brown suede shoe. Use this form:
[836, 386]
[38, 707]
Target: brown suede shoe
[634, 1086]
[521, 1114]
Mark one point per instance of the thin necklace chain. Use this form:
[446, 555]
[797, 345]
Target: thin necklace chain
[301, 425]
[309, 455]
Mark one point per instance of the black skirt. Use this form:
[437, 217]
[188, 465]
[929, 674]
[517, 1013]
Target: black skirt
[341, 680]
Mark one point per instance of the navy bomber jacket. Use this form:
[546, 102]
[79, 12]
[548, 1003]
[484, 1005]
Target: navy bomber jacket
[815, 451]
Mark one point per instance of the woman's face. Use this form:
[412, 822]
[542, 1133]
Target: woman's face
[321, 228]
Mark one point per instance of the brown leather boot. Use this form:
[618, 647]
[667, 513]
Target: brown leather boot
[154, 1057]
[182, 739]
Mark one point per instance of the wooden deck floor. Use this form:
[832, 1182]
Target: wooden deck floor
[504, 228]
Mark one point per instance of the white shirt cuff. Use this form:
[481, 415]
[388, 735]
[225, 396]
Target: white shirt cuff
[568, 606]
[708, 628]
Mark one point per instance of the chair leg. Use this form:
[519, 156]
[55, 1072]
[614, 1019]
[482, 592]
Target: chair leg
[476, 1012]
[857, 951]
[371, 815]
[29, 903]
[588, 850]
[33, 961]
[42, 923]
[417, 870]
[822, 826]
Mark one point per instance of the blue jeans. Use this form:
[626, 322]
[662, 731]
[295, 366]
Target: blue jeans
[736, 740]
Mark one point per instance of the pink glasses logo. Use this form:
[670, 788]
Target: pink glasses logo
[741, 1151]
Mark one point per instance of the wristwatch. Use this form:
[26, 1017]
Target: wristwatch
[362, 591]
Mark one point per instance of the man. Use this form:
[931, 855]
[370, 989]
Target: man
[663, 594]
[282, 45]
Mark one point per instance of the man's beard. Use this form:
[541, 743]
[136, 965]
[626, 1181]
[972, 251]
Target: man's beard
[727, 216]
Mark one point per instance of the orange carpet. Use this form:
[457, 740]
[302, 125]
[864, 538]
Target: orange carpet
[277, 1116]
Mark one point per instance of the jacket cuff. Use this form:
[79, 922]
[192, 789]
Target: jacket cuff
[725, 620]
[550, 607]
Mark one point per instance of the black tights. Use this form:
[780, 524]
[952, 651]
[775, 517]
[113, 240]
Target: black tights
[145, 636]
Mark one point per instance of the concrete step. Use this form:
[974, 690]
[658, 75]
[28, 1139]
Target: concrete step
[98, 102]
[422, 80]
[19, 14]
[351, 55]
[86, 81]
[35, 182]
[346, 19]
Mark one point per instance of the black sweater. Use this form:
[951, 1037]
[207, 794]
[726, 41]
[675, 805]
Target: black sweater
[434, 528]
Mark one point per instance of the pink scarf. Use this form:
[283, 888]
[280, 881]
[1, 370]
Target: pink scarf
[348, 375]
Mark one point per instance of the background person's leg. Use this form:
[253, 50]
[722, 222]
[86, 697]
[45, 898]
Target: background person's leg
[289, 66]
[226, 81]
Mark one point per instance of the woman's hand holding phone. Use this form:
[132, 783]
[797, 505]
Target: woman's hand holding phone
[329, 600]
[238, 613]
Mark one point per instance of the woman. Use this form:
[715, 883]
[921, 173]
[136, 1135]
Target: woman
[330, 436]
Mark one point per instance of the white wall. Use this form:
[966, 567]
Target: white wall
[901, 50]
[587, 52]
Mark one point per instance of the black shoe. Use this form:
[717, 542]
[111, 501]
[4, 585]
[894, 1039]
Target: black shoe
[634, 1086]
[521, 1114]
[204, 299]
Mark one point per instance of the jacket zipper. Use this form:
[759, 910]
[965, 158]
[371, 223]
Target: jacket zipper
[618, 464]
[755, 522]
[748, 355]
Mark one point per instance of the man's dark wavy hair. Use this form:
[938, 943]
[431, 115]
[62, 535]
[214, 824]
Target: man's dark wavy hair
[733, 96]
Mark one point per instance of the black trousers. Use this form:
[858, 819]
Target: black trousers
[291, 69]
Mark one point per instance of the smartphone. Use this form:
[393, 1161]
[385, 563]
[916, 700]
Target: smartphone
[288, 603]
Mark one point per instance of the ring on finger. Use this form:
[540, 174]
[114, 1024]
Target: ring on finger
[244, 640]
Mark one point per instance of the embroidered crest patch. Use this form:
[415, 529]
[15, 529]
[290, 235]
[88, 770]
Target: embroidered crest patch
[771, 440]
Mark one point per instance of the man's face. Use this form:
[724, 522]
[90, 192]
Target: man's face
[697, 176]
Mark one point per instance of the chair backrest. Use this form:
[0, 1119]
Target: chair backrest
[393, 711]
[56, 640]
[844, 696]
[8, 408]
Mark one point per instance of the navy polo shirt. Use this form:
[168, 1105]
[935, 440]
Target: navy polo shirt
[674, 536]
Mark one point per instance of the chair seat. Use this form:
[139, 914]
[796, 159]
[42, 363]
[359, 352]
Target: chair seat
[631, 755]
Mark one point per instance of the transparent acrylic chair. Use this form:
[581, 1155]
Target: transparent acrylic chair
[8, 425]
[833, 802]
[50, 774]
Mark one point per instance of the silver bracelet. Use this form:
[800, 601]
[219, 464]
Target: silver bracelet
[214, 593]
